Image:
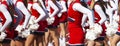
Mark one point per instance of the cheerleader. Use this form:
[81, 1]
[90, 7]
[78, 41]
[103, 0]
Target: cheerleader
[22, 25]
[53, 21]
[116, 37]
[6, 21]
[63, 19]
[100, 18]
[39, 13]
[75, 12]
[112, 25]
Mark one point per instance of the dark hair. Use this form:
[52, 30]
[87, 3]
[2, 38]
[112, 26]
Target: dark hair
[25, 3]
[83, 3]
[12, 12]
[103, 5]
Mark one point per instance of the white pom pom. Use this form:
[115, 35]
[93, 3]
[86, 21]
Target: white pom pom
[25, 33]
[2, 36]
[50, 20]
[97, 28]
[90, 35]
[32, 20]
[34, 26]
[60, 14]
[116, 18]
[110, 31]
[115, 24]
[19, 28]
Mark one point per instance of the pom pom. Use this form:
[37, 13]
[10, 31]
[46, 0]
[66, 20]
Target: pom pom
[34, 26]
[97, 29]
[90, 35]
[2, 36]
[25, 33]
[110, 31]
[32, 20]
[19, 28]
[50, 20]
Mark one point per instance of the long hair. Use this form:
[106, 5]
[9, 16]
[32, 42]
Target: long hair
[12, 12]
[83, 3]
[103, 5]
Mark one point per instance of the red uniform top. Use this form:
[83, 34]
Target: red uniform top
[97, 19]
[64, 15]
[22, 21]
[75, 15]
[56, 21]
[74, 27]
[9, 32]
[42, 23]
[1, 14]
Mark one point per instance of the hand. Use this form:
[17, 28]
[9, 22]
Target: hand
[19, 28]
[50, 20]
[62, 34]
[34, 26]
[2, 36]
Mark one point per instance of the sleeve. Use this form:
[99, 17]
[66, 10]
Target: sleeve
[99, 10]
[56, 9]
[68, 3]
[40, 10]
[114, 6]
[83, 19]
[63, 6]
[82, 9]
[29, 6]
[23, 9]
[19, 18]
[5, 12]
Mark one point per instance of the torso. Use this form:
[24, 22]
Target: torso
[75, 15]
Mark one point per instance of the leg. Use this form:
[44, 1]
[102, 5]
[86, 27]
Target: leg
[19, 43]
[91, 43]
[39, 41]
[54, 35]
[29, 40]
[62, 28]
[46, 38]
[12, 43]
[35, 43]
[115, 40]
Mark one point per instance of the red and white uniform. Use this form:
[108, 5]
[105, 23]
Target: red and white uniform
[53, 12]
[75, 28]
[26, 15]
[39, 13]
[6, 20]
[100, 17]
[75, 12]
[63, 17]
